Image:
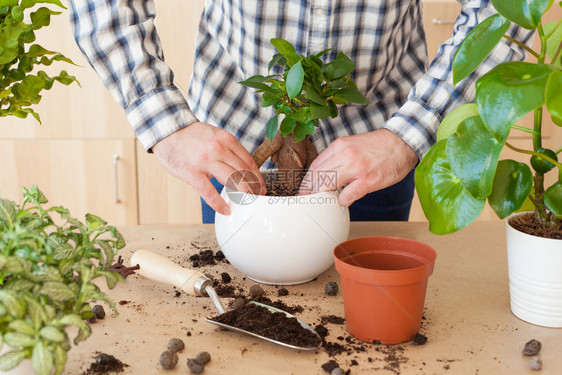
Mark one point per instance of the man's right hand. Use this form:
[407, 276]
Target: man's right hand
[200, 151]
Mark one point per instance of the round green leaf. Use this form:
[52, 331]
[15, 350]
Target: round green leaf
[553, 199]
[477, 46]
[553, 42]
[295, 78]
[508, 92]
[287, 50]
[450, 123]
[541, 164]
[526, 13]
[512, 184]
[554, 96]
[473, 153]
[302, 130]
[287, 126]
[446, 203]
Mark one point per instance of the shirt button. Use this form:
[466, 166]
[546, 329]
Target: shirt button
[320, 12]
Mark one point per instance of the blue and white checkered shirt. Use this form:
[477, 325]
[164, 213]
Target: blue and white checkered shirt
[385, 39]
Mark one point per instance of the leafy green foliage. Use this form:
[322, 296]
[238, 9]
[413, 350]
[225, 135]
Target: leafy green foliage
[307, 90]
[463, 169]
[46, 278]
[20, 83]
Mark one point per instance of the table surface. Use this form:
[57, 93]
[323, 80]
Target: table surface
[467, 320]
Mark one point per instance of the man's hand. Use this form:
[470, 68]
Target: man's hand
[367, 162]
[201, 151]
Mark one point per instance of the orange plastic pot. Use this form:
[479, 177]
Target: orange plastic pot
[384, 282]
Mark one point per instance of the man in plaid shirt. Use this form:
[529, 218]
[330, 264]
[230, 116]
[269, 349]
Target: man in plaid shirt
[372, 149]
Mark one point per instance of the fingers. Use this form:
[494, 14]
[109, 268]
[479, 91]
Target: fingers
[352, 192]
[208, 192]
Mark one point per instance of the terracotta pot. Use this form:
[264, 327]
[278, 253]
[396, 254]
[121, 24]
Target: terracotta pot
[384, 281]
[535, 277]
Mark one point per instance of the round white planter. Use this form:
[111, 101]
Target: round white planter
[535, 277]
[281, 240]
[24, 368]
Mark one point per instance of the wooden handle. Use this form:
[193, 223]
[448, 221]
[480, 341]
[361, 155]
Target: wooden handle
[158, 268]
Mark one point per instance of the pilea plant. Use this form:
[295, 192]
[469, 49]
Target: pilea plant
[462, 169]
[47, 272]
[20, 85]
[305, 91]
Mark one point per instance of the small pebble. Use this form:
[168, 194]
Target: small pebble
[535, 363]
[330, 366]
[282, 292]
[175, 345]
[337, 371]
[256, 290]
[532, 347]
[168, 360]
[203, 357]
[106, 359]
[225, 277]
[195, 366]
[237, 303]
[99, 311]
[331, 288]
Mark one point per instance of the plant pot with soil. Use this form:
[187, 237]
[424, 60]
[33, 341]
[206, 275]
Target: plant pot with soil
[462, 170]
[284, 237]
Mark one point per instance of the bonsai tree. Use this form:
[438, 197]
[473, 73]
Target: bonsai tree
[20, 86]
[305, 91]
[462, 169]
[47, 274]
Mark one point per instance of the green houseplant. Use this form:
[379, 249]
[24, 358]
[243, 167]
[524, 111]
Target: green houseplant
[305, 91]
[20, 83]
[46, 279]
[462, 169]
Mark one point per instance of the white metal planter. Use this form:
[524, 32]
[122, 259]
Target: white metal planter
[535, 277]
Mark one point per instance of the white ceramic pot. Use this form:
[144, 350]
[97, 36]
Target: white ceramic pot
[24, 368]
[281, 240]
[535, 277]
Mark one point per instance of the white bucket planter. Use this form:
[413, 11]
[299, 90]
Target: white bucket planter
[535, 277]
[281, 240]
[24, 368]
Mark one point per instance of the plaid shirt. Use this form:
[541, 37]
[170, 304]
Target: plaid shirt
[385, 39]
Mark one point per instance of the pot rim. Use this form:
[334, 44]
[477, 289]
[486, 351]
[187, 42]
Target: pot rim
[509, 227]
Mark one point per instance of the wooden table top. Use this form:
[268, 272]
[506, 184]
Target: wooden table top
[467, 319]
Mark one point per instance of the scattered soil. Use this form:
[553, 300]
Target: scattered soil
[206, 256]
[528, 224]
[280, 190]
[105, 364]
[419, 339]
[332, 319]
[282, 292]
[225, 277]
[329, 366]
[277, 326]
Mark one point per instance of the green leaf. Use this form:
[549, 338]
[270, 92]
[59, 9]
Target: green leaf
[52, 334]
[57, 291]
[11, 359]
[312, 94]
[65, 251]
[553, 199]
[111, 278]
[302, 130]
[19, 340]
[257, 85]
[328, 72]
[287, 126]
[20, 285]
[36, 311]
[508, 92]
[553, 42]
[295, 78]
[526, 13]
[8, 3]
[7, 212]
[17, 13]
[95, 222]
[473, 153]
[450, 123]
[477, 46]
[59, 358]
[333, 109]
[554, 96]
[42, 17]
[269, 99]
[21, 326]
[342, 65]
[271, 128]
[42, 359]
[319, 111]
[13, 304]
[512, 184]
[446, 203]
[351, 95]
[277, 59]
[287, 50]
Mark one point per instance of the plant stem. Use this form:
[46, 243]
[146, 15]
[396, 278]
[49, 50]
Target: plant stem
[522, 45]
[539, 198]
[559, 150]
[522, 128]
[554, 30]
[537, 133]
[557, 53]
[542, 156]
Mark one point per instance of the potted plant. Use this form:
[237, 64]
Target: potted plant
[20, 85]
[261, 235]
[462, 170]
[47, 274]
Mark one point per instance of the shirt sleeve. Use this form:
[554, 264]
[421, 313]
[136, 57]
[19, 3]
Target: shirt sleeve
[434, 95]
[120, 42]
